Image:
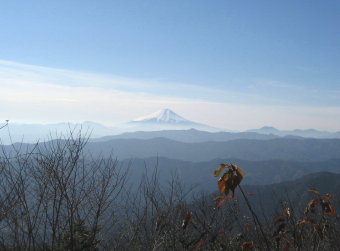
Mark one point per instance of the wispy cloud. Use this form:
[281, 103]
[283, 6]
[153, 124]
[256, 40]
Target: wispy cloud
[40, 94]
[12, 71]
[272, 83]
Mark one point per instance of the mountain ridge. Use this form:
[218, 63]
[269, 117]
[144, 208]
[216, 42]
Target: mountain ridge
[189, 136]
[166, 119]
[306, 133]
[280, 148]
[256, 172]
[159, 123]
[162, 116]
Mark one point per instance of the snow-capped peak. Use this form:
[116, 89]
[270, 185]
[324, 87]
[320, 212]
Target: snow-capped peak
[164, 115]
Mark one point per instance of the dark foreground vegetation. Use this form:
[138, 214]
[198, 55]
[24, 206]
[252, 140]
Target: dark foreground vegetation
[53, 197]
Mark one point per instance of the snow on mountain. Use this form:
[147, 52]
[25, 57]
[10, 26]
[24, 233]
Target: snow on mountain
[165, 119]
[161, 120]
[162, 116]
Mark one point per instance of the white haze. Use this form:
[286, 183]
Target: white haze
[32, 94]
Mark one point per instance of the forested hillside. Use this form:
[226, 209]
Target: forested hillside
[55, 196]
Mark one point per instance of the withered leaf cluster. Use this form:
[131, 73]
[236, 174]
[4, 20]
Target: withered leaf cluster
[231, 178]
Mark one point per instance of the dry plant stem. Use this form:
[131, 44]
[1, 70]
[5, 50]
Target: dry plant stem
[255, 217]
[4, 125]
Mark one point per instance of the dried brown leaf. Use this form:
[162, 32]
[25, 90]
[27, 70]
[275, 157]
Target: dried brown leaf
[247, 245]
[327, 208]
[219, 204]
[327, 196]
[225, 182]
[200, 244]
[186, 220]
[311, 206]
[314, 191]
[231, 197]
[303, 222]
[218, 171]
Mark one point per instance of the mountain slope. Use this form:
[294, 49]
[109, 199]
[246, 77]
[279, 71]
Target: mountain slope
[281, 148]
[189, 136]
[268, 199]
[200, 174]
[162, 116]
[308, 133]
[164, 120]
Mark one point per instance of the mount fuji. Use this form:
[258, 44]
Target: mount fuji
[166, 119]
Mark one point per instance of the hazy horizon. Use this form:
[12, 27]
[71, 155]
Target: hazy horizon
[234, 66]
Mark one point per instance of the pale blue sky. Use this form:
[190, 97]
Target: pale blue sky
[267, 54]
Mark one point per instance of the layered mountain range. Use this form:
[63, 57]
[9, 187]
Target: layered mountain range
[193, 150]
[164, 123]
[175, 145]
[308, 133]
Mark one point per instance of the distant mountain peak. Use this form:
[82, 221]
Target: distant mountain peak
[162, 116]
[165, 119]
[305, 133]
[269, 128]
[265, 130]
